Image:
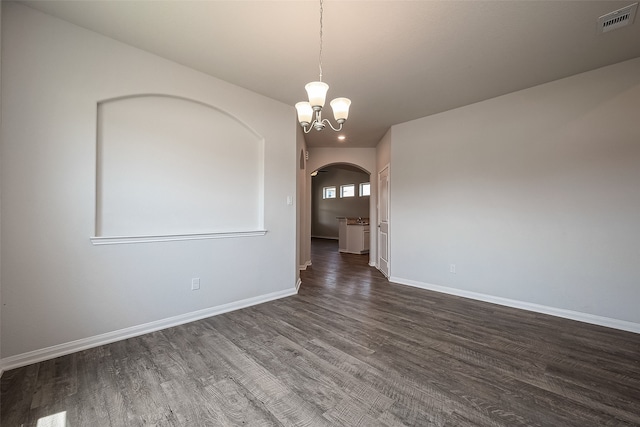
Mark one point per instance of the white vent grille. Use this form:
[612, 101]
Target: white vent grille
[617, 19]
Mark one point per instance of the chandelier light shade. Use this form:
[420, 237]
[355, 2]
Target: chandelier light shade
[310, 113]
[305, 113]
[317, 93]
[340, 107]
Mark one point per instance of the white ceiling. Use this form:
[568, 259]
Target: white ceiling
[396, 60]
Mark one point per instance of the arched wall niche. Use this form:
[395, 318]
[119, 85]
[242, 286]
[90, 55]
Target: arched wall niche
[173, 168]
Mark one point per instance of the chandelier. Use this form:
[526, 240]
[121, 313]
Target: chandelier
[310, 113]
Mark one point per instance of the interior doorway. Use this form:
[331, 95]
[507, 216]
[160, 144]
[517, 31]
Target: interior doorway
[318, 159]
[339, 191]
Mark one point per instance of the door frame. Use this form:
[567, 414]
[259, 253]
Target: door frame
[321, 157]
[387, 224]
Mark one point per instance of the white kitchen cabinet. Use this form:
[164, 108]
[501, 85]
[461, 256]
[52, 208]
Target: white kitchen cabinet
[357, 241]
[342, 234]
[353, 235]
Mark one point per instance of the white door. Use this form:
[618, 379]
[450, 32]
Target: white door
[383, 218]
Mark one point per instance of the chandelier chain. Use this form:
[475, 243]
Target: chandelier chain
[310, 113]
[320, 54]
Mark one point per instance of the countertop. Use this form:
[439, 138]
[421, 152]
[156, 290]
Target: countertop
[354, 221]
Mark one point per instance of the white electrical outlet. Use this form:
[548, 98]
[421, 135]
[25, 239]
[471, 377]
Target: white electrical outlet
[452, 269]
[195, 283]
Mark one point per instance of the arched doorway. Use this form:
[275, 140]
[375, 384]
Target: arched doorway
[364, 159]
[339, 190]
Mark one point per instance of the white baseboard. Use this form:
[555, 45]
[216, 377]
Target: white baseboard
[109, 337]
[298, 283]
[523, 305]
[305, 265]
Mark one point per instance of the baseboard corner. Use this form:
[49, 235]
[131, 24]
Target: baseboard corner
[305, 265]
[593, 319]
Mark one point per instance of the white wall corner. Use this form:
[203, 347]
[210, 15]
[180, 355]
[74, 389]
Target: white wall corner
[608, 322]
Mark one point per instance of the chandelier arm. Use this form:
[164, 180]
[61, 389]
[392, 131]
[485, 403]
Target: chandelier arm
[327, 122]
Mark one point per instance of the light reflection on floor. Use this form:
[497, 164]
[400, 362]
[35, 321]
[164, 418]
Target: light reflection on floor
[55, 420]
[340, 272]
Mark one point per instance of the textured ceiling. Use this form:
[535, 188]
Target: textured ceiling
[396, 60]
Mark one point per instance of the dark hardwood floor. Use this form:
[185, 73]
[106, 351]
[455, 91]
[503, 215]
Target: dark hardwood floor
[351, 349]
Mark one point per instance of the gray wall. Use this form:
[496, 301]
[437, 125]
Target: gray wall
[535, 196]
[56, 286]
[325, 211]
[0, 196]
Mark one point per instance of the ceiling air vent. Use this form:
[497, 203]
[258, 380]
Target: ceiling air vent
[617, 19]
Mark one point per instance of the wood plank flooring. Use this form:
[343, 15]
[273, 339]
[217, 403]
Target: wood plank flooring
[350, 350]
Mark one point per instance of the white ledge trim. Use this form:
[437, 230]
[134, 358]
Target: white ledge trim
[121, 240]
